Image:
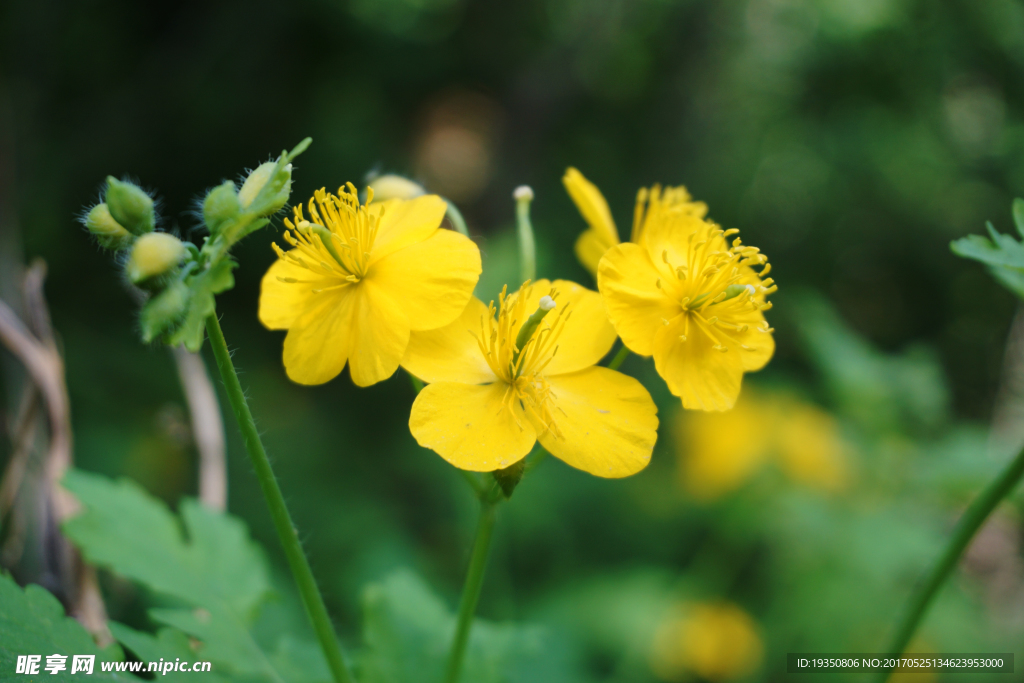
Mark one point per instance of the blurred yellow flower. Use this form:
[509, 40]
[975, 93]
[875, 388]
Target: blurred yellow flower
[602, 234]
[719, 452]
[359, 278]
[488, 401]
[716, 641]
[686, 295]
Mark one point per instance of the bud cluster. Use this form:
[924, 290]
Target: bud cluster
[180, 278]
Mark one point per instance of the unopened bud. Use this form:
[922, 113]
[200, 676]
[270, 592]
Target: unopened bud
[153, 255]
[130, 206]
[108, 232]
[391, 186]
[266, 191]
[221, 205]
[164, 310]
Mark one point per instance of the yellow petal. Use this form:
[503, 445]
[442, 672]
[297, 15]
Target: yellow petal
[637, 307]
[319, 340]
[670, 238]
[607, 422]
[451, 353]
[760, 345]
[405, 222]
[704, 377]
[590, 247]
[281, 303]
[470, 426]
[592, 205]
[380, 335]
[433, 280]
[587, 335]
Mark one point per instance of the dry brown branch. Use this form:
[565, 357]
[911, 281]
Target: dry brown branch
[207, 427]
[37, 350]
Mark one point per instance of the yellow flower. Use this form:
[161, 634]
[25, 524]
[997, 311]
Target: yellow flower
[719, 452]
[602, 235]
[717, 641]
[686, 295]
[488, 401]
[359, 279]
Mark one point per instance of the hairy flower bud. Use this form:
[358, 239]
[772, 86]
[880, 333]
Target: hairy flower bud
[266, 191]
[130, 206]
[108, 232]
[221, 205]
[153, 255]
[391, 186]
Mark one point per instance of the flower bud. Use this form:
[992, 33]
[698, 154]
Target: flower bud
[108, 232]
[221, 205]
[153, 255]
[164, 310]
[275, 188]
[130, 206]
[391, 186]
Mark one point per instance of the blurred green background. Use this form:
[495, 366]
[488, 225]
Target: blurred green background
[850, 140]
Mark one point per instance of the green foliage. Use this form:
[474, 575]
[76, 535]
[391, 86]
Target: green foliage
[882, 391]
[32, 622]
[205, 560]
[168, 644]
[407, 630]
[203, 287]
[1002, 254]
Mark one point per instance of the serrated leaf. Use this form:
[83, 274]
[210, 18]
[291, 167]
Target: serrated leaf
[407, 630]
[1003, 255]
[209, 563]
[32, 622]
[169, 645]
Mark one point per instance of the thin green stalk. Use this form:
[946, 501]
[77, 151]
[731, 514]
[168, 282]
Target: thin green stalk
[471, 589]
[308, 591]
[976, 514]
[524, 231]
[619, 358]
[455, 216]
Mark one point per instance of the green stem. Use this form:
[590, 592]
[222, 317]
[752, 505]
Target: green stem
[524, 231]
[311, 598]
[471, 589]
[619, 358]
[976, 514]
[455, 216]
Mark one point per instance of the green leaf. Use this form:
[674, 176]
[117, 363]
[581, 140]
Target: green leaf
[208, 562]
[1003, 254]
[216, 279]
[1018, 215]
[407, 630]
[32, 622]
[882, 391]
[168, 644]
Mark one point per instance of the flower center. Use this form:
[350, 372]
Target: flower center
[716, 284]
[518, 358]
[338, 240]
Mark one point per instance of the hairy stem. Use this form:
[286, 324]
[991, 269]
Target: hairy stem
[286, 532]
[976, 514]
[471, 589]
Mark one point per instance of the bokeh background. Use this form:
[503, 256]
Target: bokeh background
[850, 140]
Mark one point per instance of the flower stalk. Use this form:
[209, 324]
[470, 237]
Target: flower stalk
[297, 562]
[524, 231]
[976, 514]
[474, 582]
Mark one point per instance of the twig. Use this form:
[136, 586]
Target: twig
[207, 427]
